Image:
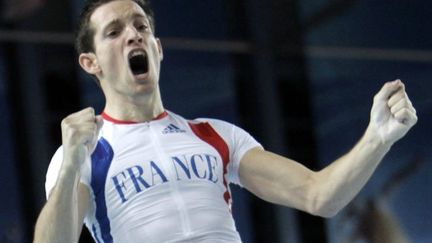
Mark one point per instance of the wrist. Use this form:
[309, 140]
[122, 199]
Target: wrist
[68, 177]
[71, 165]
[74, 156]
[373, 137]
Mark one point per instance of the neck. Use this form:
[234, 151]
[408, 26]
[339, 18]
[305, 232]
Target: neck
[142, 109]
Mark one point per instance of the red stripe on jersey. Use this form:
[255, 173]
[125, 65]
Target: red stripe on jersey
[117, 121]
[206, 133]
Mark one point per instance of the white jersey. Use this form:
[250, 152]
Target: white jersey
[162, 181]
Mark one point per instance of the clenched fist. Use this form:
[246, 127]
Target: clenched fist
[392, 113]
[80, 132]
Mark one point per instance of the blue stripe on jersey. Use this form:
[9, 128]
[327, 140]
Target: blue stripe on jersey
[95, 234]
[101, 161]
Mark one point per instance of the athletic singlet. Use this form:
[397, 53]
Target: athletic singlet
[162, 181]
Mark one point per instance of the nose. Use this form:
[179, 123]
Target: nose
[133, 36]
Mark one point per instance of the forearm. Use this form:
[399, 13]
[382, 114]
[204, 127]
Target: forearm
[341, 181]
[284, 181]
[58, 220]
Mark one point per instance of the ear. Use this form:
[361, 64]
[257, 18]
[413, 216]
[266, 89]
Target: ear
[89, 63]
[160, 50]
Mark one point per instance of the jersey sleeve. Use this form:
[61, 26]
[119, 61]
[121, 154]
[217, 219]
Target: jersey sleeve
[239, 142]
[54, 170]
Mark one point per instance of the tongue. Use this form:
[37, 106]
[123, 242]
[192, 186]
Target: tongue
[138, 64]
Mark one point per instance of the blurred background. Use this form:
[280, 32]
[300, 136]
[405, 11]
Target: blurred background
[298, 75]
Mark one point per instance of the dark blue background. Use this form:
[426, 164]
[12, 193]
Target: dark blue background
[202, 84]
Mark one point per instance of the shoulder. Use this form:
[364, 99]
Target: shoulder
[224, 128]
[216, 123]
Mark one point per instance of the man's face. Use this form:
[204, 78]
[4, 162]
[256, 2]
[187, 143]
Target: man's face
[126, 51]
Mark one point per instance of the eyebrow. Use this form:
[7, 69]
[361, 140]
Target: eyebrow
[118, 21]
[139, 16]
[111, 23]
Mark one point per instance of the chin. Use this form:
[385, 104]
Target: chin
[144, 88]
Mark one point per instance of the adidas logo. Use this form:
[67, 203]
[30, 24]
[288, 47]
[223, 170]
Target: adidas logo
[171, 128]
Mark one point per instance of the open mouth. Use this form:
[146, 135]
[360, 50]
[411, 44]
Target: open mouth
[138, 62]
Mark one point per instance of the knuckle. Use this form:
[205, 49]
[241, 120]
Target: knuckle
[376, 97]
[65, 122]
[389, 103]
[90, 110]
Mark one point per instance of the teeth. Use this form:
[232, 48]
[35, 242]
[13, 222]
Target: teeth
[136, 53]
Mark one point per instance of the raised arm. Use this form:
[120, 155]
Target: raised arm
[286, 182]
[61, 219]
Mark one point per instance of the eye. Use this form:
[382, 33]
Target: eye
[113, 33]
[141, 27]
[140, 23]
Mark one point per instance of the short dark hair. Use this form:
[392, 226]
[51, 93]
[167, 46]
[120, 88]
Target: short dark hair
[85, 33]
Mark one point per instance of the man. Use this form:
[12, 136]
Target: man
[139, 173]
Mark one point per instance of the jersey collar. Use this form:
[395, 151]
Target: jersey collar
[107, 117]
